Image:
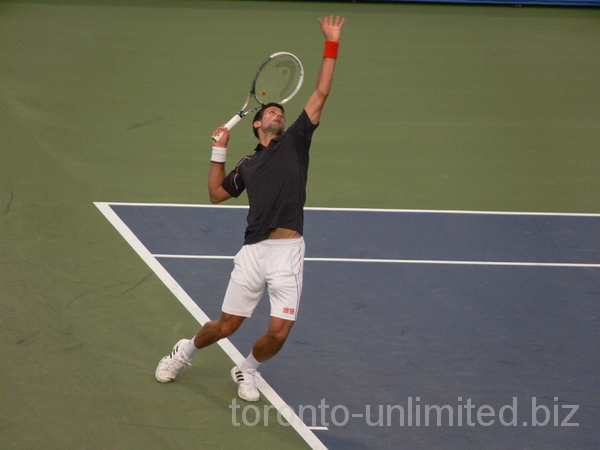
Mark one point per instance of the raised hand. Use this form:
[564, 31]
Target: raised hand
[332, 27]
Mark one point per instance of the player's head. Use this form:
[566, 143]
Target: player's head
[259, 115]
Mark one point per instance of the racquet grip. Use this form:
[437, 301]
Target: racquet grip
[229, 125]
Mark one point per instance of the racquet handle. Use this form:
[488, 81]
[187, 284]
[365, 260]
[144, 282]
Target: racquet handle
[229, 125]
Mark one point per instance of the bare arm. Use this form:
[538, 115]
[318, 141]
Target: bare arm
[216, 173]
[331, 28]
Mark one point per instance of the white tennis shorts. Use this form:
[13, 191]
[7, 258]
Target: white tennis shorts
[273, 264]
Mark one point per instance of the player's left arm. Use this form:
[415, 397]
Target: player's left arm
[331, 28]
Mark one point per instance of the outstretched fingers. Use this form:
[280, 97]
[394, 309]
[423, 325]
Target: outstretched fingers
[332, 26]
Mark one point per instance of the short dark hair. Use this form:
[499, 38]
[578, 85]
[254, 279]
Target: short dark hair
[261, 111]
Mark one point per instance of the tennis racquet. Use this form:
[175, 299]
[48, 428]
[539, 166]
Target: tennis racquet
[277, 80]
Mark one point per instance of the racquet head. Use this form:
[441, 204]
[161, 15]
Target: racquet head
[278, 79]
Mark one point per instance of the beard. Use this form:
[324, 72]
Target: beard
[276, 129]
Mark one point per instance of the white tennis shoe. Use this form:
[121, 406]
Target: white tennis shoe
[246, 379]
[171, 365]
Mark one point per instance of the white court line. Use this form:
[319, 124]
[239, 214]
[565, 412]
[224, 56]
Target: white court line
[466, 263]
[235, 355]
[397, 261]
[404, 261]
[319, 208]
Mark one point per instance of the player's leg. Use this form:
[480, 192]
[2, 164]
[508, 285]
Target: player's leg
[269, 344]
[244, 291]
[265, 347]
[216, 330]
[284, 279]
[185, 349]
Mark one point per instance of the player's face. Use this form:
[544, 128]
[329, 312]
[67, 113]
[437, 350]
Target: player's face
[273, 120]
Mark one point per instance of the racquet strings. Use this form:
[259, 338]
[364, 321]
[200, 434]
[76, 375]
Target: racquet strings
[277, 79]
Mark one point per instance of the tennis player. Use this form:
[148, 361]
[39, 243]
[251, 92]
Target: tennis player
[272, 256]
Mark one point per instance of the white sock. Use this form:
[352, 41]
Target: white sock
[250, 363]
[189, 349]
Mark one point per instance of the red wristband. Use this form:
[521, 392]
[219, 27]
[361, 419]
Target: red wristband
[331, 49]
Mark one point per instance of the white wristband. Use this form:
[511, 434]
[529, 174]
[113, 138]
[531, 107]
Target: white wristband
[219, 155]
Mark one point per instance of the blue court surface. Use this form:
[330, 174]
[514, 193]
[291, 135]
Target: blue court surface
[417, 329]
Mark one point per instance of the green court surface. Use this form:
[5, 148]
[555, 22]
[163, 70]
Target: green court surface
[433, 107]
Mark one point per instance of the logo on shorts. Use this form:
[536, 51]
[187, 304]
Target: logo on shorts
[289, 310]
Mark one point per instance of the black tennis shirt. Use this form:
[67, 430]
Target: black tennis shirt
[275, 179]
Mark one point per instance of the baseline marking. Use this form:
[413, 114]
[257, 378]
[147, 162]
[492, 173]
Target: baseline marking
[320, 208]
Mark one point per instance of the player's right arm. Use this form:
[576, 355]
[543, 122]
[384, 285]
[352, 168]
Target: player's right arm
[216, 174]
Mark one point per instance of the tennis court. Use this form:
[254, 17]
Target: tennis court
[452, 229]
[470, 309]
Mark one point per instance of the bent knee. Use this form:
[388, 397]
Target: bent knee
[227, 330]
[278, 336]
[224, 327]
